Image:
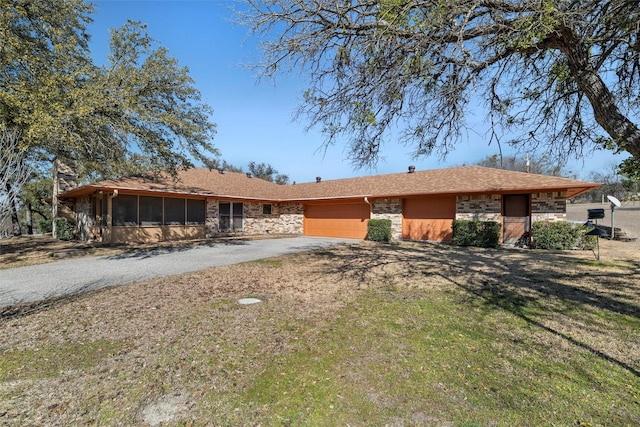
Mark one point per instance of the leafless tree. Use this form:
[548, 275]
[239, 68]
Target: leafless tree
[14, 172]
[557, 76]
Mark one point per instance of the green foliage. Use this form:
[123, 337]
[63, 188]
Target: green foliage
[140, 111]
[44, 53]
[379, 230]
[560, 236]
[66, 229]
[485, 234]
[32, 197]
[258, 170]
[45, 226]
[267, 172]
[630, 168]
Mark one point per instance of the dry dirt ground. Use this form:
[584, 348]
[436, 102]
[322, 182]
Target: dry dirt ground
[146, 318]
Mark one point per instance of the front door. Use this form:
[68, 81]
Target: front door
[516, 218]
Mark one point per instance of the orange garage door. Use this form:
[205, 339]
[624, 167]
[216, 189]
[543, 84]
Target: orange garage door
[336, 220]
[428, 218]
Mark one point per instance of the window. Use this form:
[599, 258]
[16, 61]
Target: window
[150, 210]
[230, 215]
[224, 213]
[196, 211]
[237, 213]
[155, 211]
[125, 210]
[266, 209]
[174, 211]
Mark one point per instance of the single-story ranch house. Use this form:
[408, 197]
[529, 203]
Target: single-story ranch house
[421, 205]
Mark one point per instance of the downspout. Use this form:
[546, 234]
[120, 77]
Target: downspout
[366, 200]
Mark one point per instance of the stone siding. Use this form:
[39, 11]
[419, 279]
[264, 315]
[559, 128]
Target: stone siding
[285, 218]
[67, 178]
[85, 222]
[389, 209]
[211, 219]
[484, 207]
[549, 207]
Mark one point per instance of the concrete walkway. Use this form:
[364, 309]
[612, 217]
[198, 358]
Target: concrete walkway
[38, 282]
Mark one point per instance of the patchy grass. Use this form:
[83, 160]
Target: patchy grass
[270, 262]
[422, 357]
[406, 334]
[49, 360]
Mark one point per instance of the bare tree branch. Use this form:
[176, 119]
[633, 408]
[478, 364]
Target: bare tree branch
[560, 75]
[14, 171]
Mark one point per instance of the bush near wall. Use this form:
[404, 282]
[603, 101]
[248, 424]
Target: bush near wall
[66, 229]
[379, 230]
[561, 236]
[485, 234]
[45, 226]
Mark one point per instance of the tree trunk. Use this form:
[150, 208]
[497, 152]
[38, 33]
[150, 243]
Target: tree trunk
[29, 219]
[623, 131]
[54, 200]
[15, 220]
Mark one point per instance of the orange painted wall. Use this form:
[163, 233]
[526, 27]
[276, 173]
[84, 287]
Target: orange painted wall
[428, 218]
[337, 220]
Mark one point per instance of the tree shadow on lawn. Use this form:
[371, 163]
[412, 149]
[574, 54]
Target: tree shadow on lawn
[21, 309]
[526, 283]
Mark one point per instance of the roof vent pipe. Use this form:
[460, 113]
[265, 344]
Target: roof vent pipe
[412, 169]
[318, 178]
[248, 174]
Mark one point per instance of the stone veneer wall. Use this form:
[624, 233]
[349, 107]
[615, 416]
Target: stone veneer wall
[66, 180]
[285, 218]
[389, 209]
[549, 206]
[211, 219]
[84, 220]
[484, 207]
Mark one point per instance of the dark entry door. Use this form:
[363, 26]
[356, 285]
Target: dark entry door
[516, 217]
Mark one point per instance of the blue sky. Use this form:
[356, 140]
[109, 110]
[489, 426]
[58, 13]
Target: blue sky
[255, 120]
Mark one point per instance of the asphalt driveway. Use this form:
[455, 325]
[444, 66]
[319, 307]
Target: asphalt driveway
[38, 282]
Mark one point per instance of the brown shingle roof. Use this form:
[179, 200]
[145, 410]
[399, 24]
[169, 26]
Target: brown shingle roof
[196, 181]
[458, 180]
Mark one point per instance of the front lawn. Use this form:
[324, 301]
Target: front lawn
[407, 334]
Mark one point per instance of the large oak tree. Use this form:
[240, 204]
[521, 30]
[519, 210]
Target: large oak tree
[561, 75]
[137, 112]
